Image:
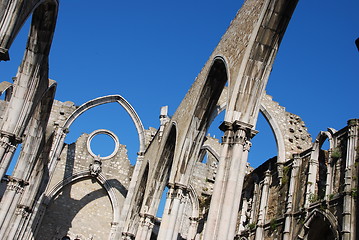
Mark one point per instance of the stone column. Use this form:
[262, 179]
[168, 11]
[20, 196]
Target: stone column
[328, 184]
[352, 146]
[145, 229]
[35, 218]
[12, 194]
[180, 217]
[192, 228]
[22, 213]
[223, 212]
[263, 206]
[127, 236]
[254, 200]
[311, 180]
[176, 199]
[8, 144]
[289, 208]
[128, 204]
[243, 215]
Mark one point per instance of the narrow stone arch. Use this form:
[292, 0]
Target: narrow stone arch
[320, 170]
[274, 125]
[12, 23]
[110, 99]
[203, 115]
[321, 137]
[331, 230]
[32, 77]
[133, 209]
[211, 91]
[194, 217]
[6, 89]
[211, 150]
[193, 197]
[160, 173]
[279, 121]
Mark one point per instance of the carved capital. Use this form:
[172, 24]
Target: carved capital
[247, 145]
[226, 126]
[23, 210]
[128, 236]
[16, 184]
[12, 138]
[147, 220]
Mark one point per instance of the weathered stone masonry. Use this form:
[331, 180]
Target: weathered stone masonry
[64, 191]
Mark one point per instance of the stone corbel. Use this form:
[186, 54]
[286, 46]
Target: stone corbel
[23, 210]
[128, 236]
[13, 139]
[16, 184]
[147, 220]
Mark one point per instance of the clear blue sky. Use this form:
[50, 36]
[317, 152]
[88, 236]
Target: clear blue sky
[151, 51]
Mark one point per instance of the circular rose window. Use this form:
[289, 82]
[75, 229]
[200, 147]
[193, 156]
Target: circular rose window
[102, 137]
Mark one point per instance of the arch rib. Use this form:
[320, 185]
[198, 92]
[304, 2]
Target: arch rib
[109, 99]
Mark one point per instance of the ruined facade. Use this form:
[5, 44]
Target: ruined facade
[65, 191]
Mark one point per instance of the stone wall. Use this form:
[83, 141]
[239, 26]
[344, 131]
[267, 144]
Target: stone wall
[82, 207]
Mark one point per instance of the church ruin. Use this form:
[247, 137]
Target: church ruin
[65, 191]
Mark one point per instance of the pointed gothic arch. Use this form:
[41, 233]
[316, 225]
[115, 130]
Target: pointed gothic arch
[161, 171]
[104, 183]
[319, 225]
[109, 99]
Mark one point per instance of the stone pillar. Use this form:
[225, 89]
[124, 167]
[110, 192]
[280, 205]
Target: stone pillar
[254, 200]
[114, 233]
[180, 217]
[125, 219]
[56, 149]
[12, 195]
[289, 206]
[35, 218]
[311, 180]
[328, 184]
[8, 143]
[243, 218]
[352, 145]
[223, 211]
[263, 206]
[145, 229]
[170, 224]
[127, 236]
[22, 213]
[192, 228]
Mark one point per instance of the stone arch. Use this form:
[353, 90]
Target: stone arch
[325, 221]
[6, 89]
[86, 174]
[274, 125]
[322, 136]
[32, 76]
[280, 123]
[211, 150]
[203, 115]
[211, 92]
[12, 23]
[323, 172]
[160, 173]
[193, 197]
[105, 184]
[29, 165]
[135, 207]
[109, 99]
[194, 215]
